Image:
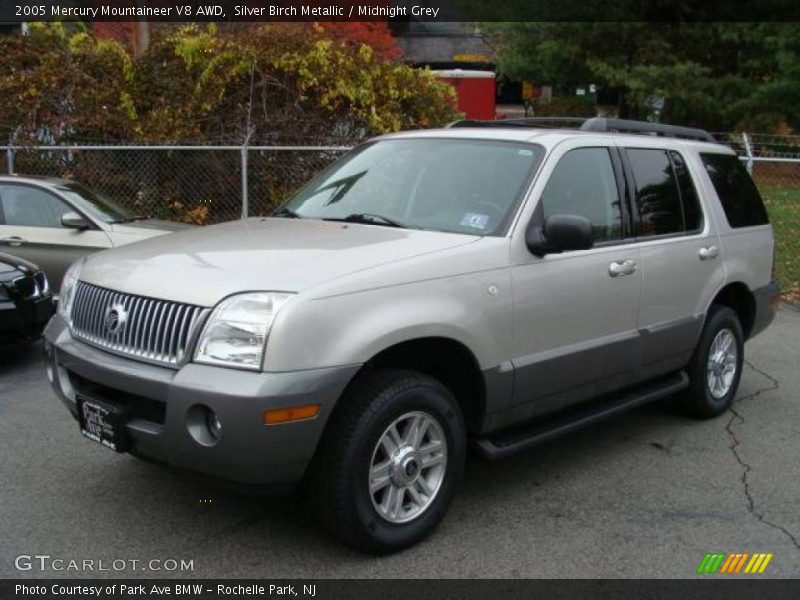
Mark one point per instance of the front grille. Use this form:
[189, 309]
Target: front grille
[147, 329]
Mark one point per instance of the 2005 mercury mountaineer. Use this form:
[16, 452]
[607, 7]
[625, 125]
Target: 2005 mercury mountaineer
[482, 284]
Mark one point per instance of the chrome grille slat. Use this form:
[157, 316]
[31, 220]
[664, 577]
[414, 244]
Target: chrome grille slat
[156, 331]
[171, 348]
[94, 309]
[183, 331]
[163, 346]
[91, 307]
[151, 338]
[147, 325]
[130, 332]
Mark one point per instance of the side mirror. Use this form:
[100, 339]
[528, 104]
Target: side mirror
[559, 233]
[73, 220]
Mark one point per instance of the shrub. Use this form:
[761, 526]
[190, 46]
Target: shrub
[288, 82]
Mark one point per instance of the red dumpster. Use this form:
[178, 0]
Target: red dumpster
[475, 91]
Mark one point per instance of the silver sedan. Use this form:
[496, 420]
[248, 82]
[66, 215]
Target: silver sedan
[54, 222]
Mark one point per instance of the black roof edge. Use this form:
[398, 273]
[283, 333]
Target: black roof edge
[599, 125]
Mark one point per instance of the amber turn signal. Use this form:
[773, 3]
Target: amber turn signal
[295, 413]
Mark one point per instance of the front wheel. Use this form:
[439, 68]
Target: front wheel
[389, 461]
[716, 366]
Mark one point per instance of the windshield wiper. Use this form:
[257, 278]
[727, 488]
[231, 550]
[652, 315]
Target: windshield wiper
[368, 219]
[284, 211]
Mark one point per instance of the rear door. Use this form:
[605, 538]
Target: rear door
[680, 255]
[30, 227]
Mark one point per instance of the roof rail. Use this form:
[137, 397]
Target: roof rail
[528, 122]
[645, 127]
[597, 124]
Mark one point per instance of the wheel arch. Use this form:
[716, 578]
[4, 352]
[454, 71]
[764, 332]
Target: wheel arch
[445, 359]
[738, 297]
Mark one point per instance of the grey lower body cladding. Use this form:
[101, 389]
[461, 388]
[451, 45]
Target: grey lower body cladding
[160, 406]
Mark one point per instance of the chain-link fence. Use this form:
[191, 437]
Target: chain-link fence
[197, 184]
[209, 184]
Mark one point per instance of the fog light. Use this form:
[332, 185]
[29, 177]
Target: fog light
[214, 426]
[50, 376]
[203, 425]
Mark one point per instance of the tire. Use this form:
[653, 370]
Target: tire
[712, 387]
[353, 449]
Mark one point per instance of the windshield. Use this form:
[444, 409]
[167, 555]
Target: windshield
[99, 206]
[454, 185]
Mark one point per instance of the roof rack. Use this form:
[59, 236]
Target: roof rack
[597, 124]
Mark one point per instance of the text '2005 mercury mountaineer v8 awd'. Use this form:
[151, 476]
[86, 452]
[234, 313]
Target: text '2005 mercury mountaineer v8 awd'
[481, 284]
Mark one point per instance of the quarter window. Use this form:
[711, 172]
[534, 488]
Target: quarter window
[583, 183]
[665, 199]
[736, 191]
[27, 206]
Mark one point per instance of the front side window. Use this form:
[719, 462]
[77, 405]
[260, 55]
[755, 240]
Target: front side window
[27, 206]
[736, 191]
[583, 184]
[453, 185]
[94, 203]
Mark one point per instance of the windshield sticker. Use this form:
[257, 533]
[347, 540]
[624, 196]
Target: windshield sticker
[525, 152]
[475, 220]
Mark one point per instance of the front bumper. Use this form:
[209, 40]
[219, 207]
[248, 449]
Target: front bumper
[247, 451]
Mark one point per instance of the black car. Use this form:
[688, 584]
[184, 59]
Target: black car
[26, 302]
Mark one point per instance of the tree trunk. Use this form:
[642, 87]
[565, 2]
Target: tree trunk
[141, 37]
[623, 110]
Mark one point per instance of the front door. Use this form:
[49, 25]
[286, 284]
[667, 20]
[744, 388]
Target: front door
[30, 227]
[575, 313]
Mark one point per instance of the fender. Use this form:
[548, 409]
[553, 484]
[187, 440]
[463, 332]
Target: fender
[473, 309]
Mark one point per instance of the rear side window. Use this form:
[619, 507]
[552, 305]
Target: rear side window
[692, 213]
[738, 194]
[666, 200]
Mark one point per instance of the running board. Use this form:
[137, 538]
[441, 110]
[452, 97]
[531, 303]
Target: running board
[521, 438]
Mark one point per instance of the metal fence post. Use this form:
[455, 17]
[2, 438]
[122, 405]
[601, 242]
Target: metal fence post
[245, 199]
[10, 160]
[748, 148]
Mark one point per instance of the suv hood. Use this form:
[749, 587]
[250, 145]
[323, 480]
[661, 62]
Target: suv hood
[201, 266]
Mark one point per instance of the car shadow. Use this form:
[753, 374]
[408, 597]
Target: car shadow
[16, 355]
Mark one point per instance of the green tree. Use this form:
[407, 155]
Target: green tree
[715, 75]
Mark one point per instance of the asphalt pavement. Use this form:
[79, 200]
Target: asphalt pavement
[644, 495]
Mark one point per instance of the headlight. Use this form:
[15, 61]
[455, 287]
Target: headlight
[237, 330]
[66, 295]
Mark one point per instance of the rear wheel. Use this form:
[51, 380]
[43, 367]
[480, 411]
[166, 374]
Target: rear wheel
[716, 366]
[389, 461]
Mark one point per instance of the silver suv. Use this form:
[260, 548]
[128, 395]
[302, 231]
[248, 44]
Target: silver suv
[477, 285]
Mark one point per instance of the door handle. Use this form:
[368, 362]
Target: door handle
[14, 240]
[708, 252]
[620, 268]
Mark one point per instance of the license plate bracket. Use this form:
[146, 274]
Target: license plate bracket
[103, 423]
